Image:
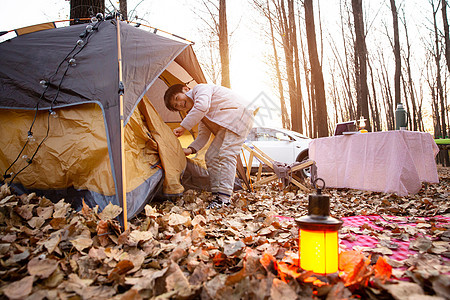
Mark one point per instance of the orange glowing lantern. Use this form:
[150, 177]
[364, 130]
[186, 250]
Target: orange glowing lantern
[318, 236]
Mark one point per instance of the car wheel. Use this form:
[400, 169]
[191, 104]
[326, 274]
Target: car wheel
[306, 172]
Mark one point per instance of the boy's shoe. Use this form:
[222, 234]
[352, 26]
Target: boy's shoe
[214, 204]
[218, 202]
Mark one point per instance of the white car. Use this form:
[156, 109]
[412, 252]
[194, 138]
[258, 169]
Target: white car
[279, 144]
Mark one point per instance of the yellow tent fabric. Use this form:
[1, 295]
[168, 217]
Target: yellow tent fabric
[76, 152]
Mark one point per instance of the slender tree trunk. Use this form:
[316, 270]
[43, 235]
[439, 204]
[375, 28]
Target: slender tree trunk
[85, 8]
[440, 92]
[296, 106]
[375, 111]
[306, 70]
[360, 61]
[446, 33]
[396, 53]
[223, 44]
[289, 56]
[284, 114]
[411, 92]
[316, 71]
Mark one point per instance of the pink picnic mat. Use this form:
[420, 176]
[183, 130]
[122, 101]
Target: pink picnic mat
[384, 224]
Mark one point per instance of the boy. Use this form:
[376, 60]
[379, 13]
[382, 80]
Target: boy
[219, 111]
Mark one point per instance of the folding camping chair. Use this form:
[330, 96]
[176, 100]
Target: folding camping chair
[288, 174]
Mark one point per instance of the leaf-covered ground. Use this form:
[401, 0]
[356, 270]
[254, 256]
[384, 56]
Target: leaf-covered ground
[180, 250]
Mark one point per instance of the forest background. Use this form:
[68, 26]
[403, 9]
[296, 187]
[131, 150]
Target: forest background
[320, 62]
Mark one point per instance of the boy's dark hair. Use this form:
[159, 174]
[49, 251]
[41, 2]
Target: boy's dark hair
[172, 91]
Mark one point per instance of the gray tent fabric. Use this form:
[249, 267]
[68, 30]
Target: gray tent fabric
[88, 73]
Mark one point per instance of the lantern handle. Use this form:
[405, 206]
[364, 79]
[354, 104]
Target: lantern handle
[315, 185]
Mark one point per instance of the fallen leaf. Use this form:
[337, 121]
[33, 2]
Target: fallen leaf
[19, 289]
[421, 244]
[110, 212]
[176, 219]
[403, 290]
[42, 268]
[81, 243]
[122, 268]
[281, 290]
[382, 269]
[102, 232]
[61, 209]
[137, 235]
[25, 211]
[233, 248]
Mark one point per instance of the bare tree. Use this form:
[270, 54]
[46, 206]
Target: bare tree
[396, 53]
[123, 9]
[296, 106]
[318, 86]
[223, 44]
[437, 58]
[360, 61]
[265, 9]
[410, 88]
[86, 8]
[446, 32]
[215, 18]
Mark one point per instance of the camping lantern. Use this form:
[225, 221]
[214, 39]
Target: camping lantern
[362, 125]
[318, 236]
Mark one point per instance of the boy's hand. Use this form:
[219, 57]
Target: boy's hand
[179, 131]
[187, 151]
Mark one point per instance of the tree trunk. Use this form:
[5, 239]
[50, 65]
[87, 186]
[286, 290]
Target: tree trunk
[446, 33]
[223, 44]
[296, 106]
[360, 61]
[376, 111]
[396, 53]
[123, 9]
[289, 55]
[85, 8]
[440, 92]
[309, 117]
[411, 90]
[284, 115]
[316, 72]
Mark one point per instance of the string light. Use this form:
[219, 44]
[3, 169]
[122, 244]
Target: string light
[43, 83]
[53, 113]
[30, 137]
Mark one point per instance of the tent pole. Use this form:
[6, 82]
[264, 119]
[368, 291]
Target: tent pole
[122, 134]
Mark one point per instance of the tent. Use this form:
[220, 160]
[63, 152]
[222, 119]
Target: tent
[61, 114]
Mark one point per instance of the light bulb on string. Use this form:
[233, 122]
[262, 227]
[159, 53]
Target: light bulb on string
[80, 43]
[72, 62]
[89, 28]
[53, 113]
[43, 83]
[27, 159]
[94, 20]
[30, 137]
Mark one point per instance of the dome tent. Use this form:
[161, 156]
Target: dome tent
[74, 74]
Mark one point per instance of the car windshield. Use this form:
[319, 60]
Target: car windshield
[267, 134]
[298, 135]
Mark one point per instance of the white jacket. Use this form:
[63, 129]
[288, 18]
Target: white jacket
[218, 105]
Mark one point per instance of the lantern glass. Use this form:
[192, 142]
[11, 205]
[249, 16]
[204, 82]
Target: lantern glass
[319, 251]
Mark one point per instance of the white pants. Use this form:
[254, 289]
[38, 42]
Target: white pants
[221, 159]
